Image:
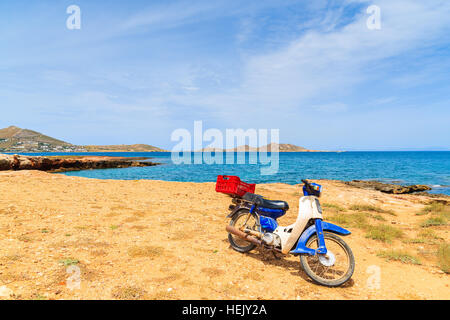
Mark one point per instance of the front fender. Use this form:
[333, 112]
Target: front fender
[326, 226]
[335, 229]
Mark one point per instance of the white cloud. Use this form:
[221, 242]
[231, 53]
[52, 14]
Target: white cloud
[171, 14]
[318, 67]
[179, 13]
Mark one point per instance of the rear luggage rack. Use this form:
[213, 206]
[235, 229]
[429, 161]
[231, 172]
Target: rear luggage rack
[233, 186]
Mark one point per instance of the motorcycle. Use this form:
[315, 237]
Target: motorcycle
[324, 256]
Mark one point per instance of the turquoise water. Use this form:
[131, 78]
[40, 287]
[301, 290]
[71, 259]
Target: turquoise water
[430, 168]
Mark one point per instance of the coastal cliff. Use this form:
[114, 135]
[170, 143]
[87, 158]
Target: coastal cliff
[71, 163]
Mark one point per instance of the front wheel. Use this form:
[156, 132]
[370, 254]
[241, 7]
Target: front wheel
[332, 269]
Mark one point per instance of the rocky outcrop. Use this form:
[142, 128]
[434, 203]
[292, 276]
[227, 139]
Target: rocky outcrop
[62, 164]
[387, 187]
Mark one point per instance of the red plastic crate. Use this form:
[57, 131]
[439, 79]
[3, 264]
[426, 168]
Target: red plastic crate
[234, 186]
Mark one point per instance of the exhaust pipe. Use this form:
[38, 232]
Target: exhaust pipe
[243, 235]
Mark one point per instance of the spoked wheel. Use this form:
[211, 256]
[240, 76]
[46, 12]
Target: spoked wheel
[332, 269]
[243, 220]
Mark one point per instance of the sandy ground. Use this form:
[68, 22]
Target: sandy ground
[167, 240]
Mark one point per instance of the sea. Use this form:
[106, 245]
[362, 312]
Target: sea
[431, 168]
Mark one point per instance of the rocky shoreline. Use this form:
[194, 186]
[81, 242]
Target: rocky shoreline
[387, 187]
[68, 163]
[78, 163]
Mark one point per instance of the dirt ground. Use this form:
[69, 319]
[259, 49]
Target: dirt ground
[74, 238]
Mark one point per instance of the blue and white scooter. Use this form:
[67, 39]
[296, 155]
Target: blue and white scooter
[324, 256]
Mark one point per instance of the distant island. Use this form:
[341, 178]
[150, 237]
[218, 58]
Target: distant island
[282, 147]
[15, 139]
[124, 148]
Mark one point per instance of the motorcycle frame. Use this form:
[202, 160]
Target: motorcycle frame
[300, 233]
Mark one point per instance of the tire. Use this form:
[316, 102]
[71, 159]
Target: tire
[306, 262]
[237, 243]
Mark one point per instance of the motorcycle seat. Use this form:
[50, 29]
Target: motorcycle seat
[275, 204]
[260, 201]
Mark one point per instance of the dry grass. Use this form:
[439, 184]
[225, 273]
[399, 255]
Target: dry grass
[427, 236]
[371, 208]
[82, 227]
[358, 220]
[37, 296]
[433, 221]
[333, 206]
[444, 257]
[435, 207]
[377, 217]
[440, 214]
[69, 262]
[383, 232]
[398, 255]
[416, 241]
[145, 251]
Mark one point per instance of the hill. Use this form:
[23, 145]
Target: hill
[282, 147]
[15, 139]
[124, 148]
[285, 147]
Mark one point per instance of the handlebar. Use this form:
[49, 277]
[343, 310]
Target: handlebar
[309, 188]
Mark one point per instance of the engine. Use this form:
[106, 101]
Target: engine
[271, 239]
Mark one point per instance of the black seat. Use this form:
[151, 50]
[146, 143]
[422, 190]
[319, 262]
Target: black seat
[261, 202]
[275, 204]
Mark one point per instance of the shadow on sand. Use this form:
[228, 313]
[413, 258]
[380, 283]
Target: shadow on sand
[268, 258]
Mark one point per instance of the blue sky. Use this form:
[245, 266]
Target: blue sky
[138, 70]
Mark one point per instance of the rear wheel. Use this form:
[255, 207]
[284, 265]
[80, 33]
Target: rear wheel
[332, 269]
[243, 220]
